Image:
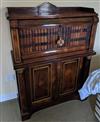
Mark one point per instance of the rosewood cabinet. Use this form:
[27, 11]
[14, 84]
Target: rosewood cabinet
[52, 50]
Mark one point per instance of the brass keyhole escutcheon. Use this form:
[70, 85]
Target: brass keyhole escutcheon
[60, 42]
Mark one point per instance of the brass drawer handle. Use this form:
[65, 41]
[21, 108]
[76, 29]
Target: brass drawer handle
[60, 42]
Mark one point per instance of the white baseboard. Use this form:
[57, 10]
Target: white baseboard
[6, 97]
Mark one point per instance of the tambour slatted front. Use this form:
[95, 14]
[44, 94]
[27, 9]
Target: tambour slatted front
[38, 39]
[52, 50]
[44, 38]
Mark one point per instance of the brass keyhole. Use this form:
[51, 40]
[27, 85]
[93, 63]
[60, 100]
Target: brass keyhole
[60, 42]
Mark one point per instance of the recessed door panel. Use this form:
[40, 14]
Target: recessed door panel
[68, 82]
[41, 83]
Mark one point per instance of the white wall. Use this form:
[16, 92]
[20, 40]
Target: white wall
[9, 88]
[0, 48]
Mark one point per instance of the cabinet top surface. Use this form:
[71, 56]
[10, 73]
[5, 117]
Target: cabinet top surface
[48, 10]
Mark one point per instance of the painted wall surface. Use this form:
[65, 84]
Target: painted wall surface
[0, 49]
[8, 81]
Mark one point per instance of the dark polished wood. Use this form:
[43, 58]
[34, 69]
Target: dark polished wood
[52, 51]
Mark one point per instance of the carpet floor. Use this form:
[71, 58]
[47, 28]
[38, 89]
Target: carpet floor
[71, 111]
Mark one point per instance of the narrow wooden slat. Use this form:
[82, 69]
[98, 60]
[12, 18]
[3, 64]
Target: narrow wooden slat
[30, 33]
[52, 38]
[55, 39]
[36, 39]
[39, 39]
[46, 39]
[33, 40]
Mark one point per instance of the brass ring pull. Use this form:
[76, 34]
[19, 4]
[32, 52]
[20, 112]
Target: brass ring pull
[60, 42]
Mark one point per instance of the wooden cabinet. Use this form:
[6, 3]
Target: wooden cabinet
[52, 50]
[42, 81]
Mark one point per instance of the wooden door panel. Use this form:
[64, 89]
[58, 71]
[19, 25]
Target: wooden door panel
[68, 82]
[41, 77]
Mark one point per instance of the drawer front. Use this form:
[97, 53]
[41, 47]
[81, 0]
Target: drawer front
[53, 37]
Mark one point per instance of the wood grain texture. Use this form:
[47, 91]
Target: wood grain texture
[52, 50]
[16, 45]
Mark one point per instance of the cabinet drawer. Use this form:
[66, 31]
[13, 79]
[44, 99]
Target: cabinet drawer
[53, 37]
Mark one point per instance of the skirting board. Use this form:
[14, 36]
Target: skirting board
[9, 96]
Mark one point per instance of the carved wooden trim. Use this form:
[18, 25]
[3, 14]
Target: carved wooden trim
[48, 10]
[15, 43]
[32, 23]
[21, 89]
[45, 9]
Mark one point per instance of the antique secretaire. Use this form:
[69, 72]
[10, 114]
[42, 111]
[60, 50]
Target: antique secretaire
[52, 49]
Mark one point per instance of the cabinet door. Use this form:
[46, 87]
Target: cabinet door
[41, 83]
[68, 80]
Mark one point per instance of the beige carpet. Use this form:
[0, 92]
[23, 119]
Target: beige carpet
[72, 111]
